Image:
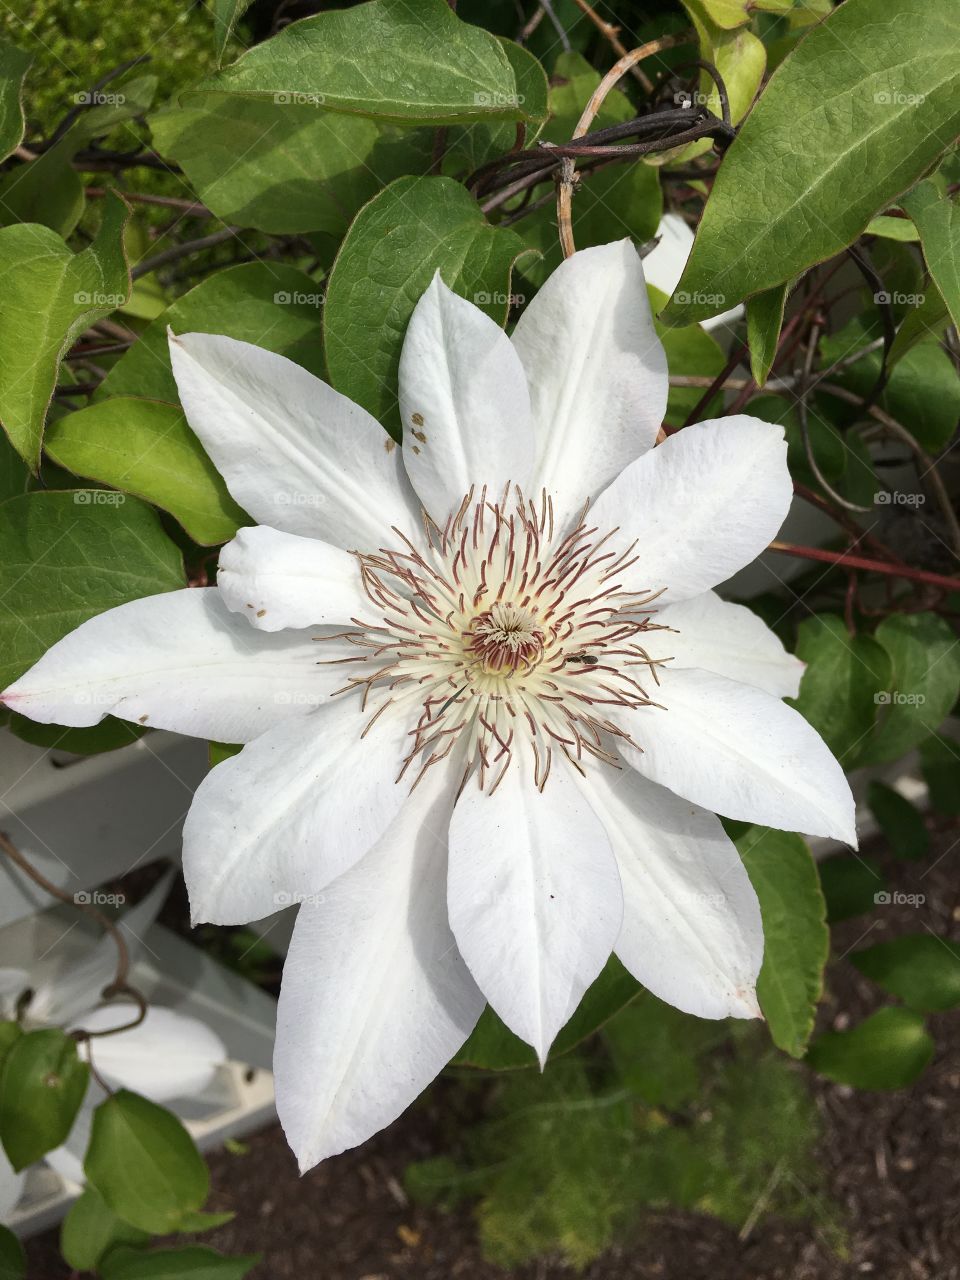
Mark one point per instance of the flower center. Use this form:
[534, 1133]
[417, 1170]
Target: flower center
[501, 634]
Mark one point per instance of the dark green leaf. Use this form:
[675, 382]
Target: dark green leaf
[796, 938]
[834, 140]
[226, 15]
[929, 320]
[91, 1228]
[145, 447]
[41, 1088]
[50, 296]
[66, 555]
[144, 1163]
[109, 735]
[888, 1050]
[439, 69]
[764, 321]
[270, 304]
[850, 885]
[415, 227]
[925, 655]
[940, 763]
[920, 969]
[13, 1260]
[845, 676]
[195, 1262]
[899, 820]
[14, 64]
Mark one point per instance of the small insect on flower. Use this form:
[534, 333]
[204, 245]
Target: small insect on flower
[530, 703]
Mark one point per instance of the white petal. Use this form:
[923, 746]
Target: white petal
[691, 921]
[464, 404]
[534, 898]
[293, 810]
[278, 580]
[169, 1055]
[596, 369]
[296, 454]
[740, 752]
[177, 661]
[663, 266]
[729, 639]
[375, 997]
[700, 506]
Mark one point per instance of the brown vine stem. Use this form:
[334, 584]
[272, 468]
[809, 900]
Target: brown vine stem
[608, 83]
[120, 985]
[191, 208]
[846, 561]
[611, 33]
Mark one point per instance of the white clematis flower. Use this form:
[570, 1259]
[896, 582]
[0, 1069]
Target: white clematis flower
[489, 696]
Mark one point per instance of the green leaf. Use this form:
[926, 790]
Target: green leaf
[144, 1163]
[938, 222]
[834, 140]
[764, 321]
[795, 933]
[286, 167]
[471, 145]
[940, 765]
[888, 1050]
[413, 228]
[200, 1221]
[690, 351]
[47, 191]
[220, 751]
[656, 1050]
[91, 1228]
[146, 448]
[195, 1262]
[41, 1089]
[66, 555]
[13, 1260]
[925, 655]
[10, 1033]
[494, 1048]
[838, 692]
[921, 969]
[723, 13]
[850, 885]
[439, 69]
[50, 296]
[899, 820]
[133, 98]
[272, 305]
[226, 15]
[901, 229]
[14, 64]
[109, 735]
[929, 320]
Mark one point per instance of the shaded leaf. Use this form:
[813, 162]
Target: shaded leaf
[888, 1050]
[41, 1088]
[921, 969]
[899, 820]
[91, 1228]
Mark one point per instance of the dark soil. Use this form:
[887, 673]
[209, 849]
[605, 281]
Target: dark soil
[891, 1164]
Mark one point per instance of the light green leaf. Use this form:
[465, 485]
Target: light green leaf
[66, 555]
[50, 296]
[133, 98]
[415, 227]
[833, 140]
[888, 1050]
[839, 689]
[13, 1260]
[469, 146]
[494, 1048]
[286, 167]
[764, 321]
[901, 229]
[144, 1163]
[795, 933]
[928, 321]
[14, 64]
[899, 820]
[925, 654]
[200, 1221]
[439, 69]
[91, 1228]
[41, 1088]
[226, 15]
[722, 13]
[938, 221]
[145, 447]
[195, 1262]
[270, 304]
[921, 969]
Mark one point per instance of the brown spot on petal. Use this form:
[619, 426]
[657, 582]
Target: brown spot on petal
[421, 436]
[416, 448]
[417, 419]
[389, 445]
[261, 612]
[143, 719]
